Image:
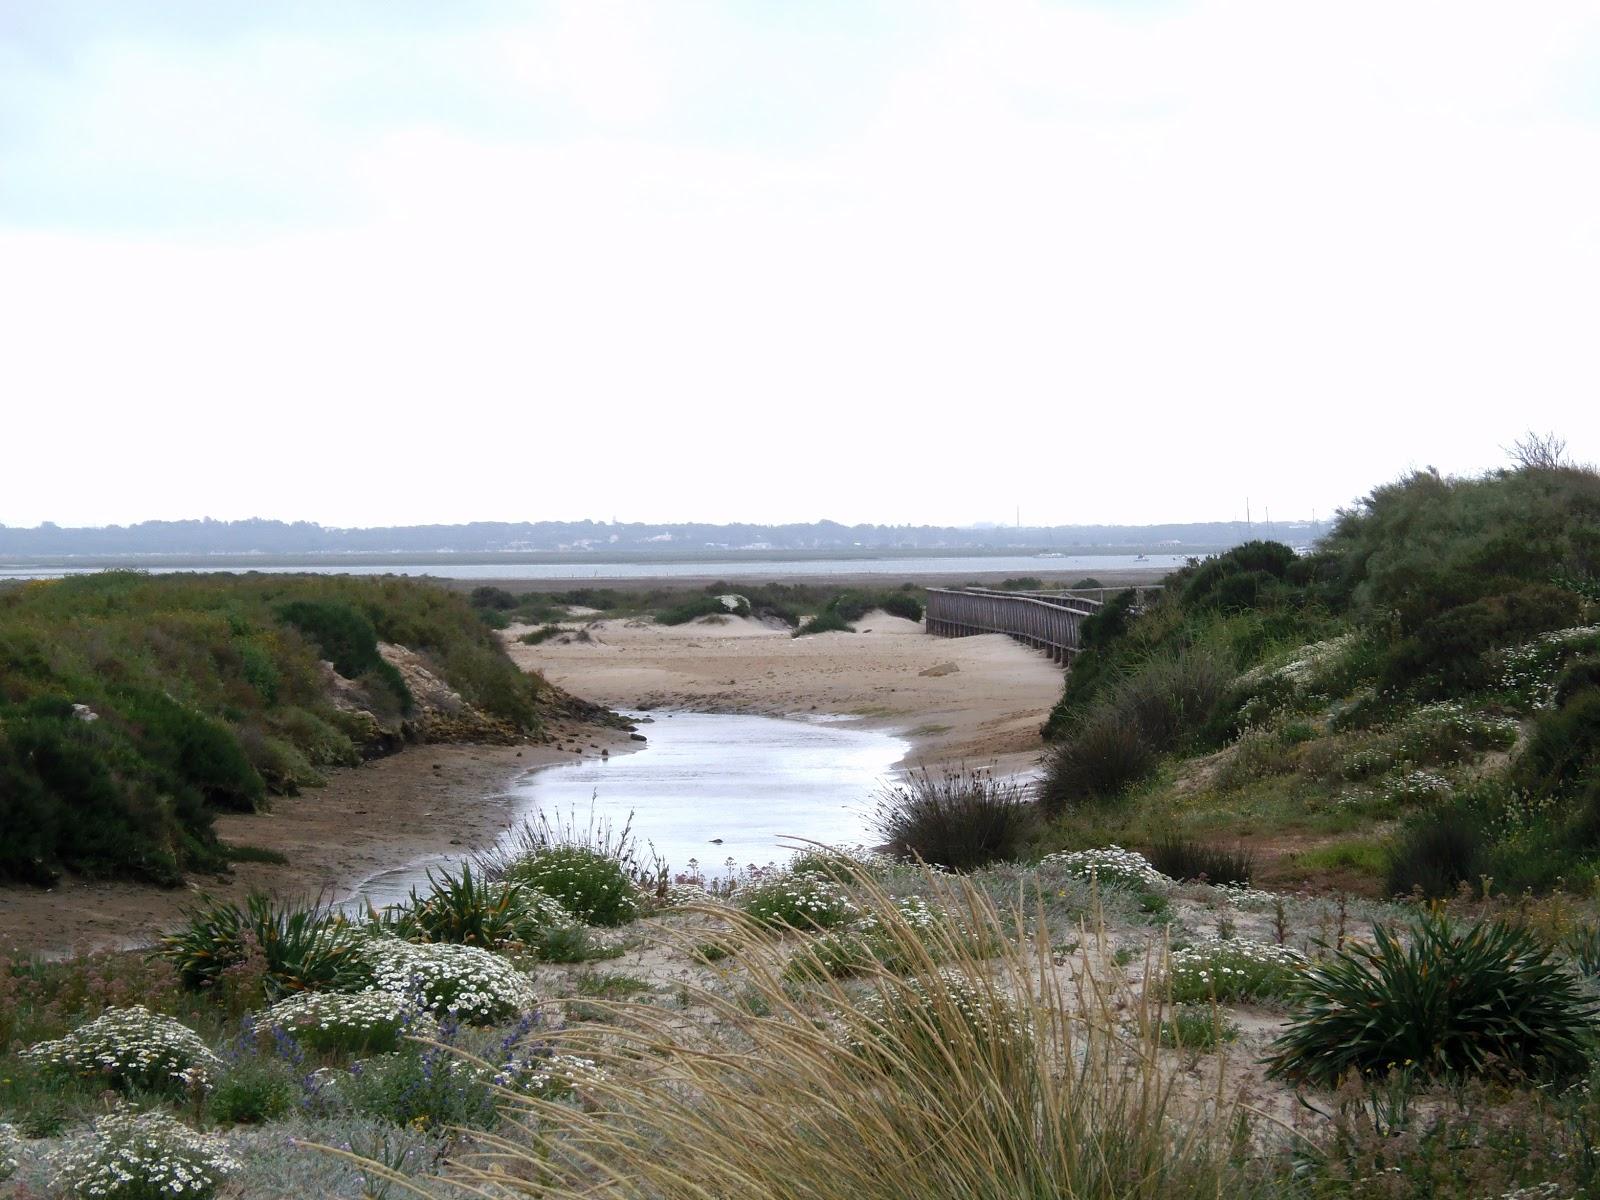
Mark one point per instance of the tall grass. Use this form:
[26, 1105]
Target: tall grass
[993, 1078]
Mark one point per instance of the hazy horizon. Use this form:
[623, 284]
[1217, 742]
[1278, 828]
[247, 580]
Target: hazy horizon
[903, 260]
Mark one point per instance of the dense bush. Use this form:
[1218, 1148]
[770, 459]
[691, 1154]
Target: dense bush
[254, 1090]
[1101, 759]
[798, 902]
[131, 1049]
[1232, 971]
[143, 1156]
[1484, 1000]
[960, 820]
[592, 885]
[1450, 653]
[132, 705]
[1563, 752]
[1580, 675]
[423, 1088]
[1427, 543]
[365, 1022]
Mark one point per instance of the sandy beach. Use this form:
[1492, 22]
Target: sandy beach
[975, 700]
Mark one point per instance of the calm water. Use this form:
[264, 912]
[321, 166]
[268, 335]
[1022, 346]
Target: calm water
[908, 568]
[750, 781]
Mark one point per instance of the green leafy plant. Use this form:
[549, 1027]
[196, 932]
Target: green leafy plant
[253, 1090]
[1487, 999]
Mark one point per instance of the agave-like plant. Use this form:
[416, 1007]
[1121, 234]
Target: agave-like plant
[471, 910]
[301, 949]
[1487, 1000]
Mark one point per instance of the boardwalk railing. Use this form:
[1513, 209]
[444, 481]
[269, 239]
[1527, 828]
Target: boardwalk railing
[1050, 621]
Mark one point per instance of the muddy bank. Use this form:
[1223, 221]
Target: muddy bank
[430, 799]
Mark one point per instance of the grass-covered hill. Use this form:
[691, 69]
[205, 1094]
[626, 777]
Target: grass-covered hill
[133, 706]
[1416, 704]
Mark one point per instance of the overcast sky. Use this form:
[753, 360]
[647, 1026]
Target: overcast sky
[1127, 260]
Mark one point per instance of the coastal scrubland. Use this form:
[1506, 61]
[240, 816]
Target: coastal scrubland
[1411, 707]
[1303, 907]
[134, 707]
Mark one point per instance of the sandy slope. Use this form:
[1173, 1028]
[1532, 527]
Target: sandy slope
[975, 699]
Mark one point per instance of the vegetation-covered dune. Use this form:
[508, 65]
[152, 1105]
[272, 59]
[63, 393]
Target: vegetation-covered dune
[1417, 704]
[133, 706]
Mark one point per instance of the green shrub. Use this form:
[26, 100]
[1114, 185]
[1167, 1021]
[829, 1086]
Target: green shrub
[593, 886]
[1197, 1027]
[824, 622]
[1100, 760]
[253, 1091]
[702, 606]
[366, 1022]
[1451, 653]
[1564, 748]
[349, 641]
[961, 820]
[494, 598]
[1183, 858]
[425, 1088]
[1232, 971]
[899, 604]
[1427, 543]
[1484, 1000]
[130, 1049]
[540, 635]
[1579, 676]
[143, 1156]
[296, 949]
[1435, 855]
[807, 902]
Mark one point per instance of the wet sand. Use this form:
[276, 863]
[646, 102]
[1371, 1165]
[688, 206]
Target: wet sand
[975, 699]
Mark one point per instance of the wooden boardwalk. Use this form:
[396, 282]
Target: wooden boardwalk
[1049, 621]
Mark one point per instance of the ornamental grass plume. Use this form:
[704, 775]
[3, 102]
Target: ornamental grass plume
[969, 1076]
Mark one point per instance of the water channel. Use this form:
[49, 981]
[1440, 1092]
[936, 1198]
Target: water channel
[709, 789]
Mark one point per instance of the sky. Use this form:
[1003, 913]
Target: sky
[931, 261]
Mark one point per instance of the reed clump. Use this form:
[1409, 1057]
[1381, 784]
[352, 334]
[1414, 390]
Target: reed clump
[978, 1070]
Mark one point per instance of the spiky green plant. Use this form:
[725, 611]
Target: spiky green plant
[298, 949]
[471, 910]
[1485, 1000]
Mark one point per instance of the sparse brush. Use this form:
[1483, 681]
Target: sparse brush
[972, 1077]
[962, 819]
[1487, 999]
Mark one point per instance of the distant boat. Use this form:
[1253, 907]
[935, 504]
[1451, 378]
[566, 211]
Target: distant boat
[1141, 558]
